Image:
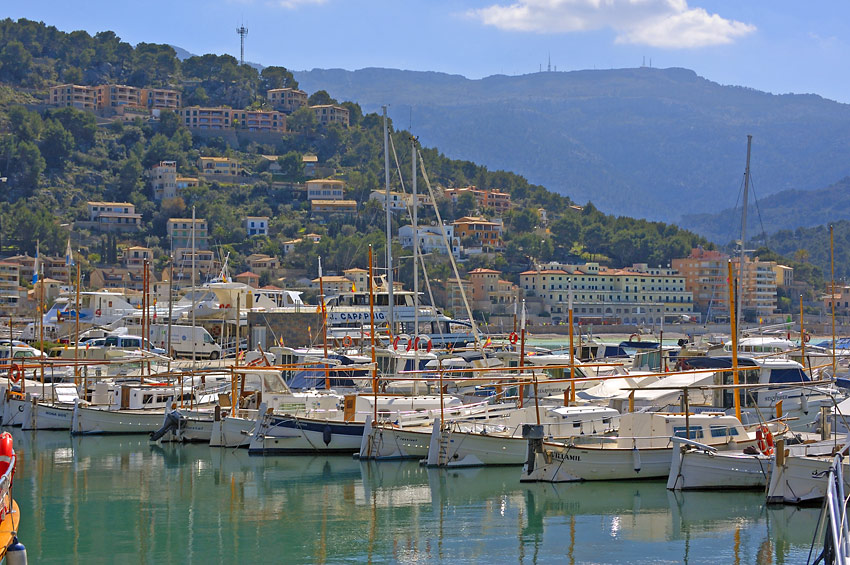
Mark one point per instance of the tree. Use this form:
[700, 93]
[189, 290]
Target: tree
[291, 166]
[277, 77]
[303, 120]
[15, 62]
[56, 145]
[320, 97]
[25, 125]
[82, 125]
[129, 176]
[465, 204]
[169, 123]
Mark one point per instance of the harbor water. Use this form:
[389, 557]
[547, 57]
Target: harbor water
[121, 499]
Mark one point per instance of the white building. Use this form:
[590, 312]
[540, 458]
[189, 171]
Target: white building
[430, 239]
[256, 225]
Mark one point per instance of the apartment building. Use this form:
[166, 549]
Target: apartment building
[492, 199]
[10, 284]
[114, 278]
[479, 232]
[257, 120]
[286, 99]
[115, 95]
[635, 295]
[321, 209]
[198, 117]
[113, 217]
[706, 274]
[217, 166]
[325, 189]
[161, 98]
[74, 96]
[256, 225]
[135, 256]
[430, 239]
[180, 235]
[262, 262]
[489, 292]
[327, 114]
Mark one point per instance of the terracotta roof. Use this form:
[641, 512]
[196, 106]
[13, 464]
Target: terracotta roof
[247, 274]
[482, 270]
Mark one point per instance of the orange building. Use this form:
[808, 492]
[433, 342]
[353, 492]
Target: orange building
[484, 233]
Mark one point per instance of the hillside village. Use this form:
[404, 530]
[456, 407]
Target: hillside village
[113, 171]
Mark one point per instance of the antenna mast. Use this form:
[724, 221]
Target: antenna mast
[242, 31]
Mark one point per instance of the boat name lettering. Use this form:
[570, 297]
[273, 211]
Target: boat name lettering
[566, 456]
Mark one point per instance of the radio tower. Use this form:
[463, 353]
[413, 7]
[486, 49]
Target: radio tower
[242, 31]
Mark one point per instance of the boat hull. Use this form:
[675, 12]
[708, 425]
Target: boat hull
[89, 421]
[386, 442]
[470, 449]
[230, 431]
[13, 411]
[565, 463]
[703, 470]
[277, 435]
[802, 480]
[38, 416]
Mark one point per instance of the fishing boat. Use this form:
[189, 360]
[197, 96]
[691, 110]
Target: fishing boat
[642, 449]
[800, 473]
[54, 411]
[696, 466]
[338, 430]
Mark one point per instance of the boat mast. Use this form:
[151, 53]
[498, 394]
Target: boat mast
[194, 356]
[389, 223]
[740, 285]
[415, 265]
[832, 269]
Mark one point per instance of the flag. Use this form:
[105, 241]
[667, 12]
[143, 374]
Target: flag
[35, 266]
[69, 256]
[488, 342]
[353, 287]
[280, 341]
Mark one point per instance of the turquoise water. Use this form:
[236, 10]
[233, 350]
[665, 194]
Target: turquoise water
[122, 500]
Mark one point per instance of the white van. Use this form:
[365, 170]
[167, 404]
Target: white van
[182, 338]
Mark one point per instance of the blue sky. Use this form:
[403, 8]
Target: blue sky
[778, 46]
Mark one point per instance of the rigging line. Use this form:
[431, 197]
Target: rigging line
[449, 248]
[758, 210]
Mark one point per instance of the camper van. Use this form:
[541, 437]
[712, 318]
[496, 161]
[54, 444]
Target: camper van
[182, 338]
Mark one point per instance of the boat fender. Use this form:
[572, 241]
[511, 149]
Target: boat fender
[636, 459]
[7, 452]
[326, 434]
[804, 403]
[16, 554]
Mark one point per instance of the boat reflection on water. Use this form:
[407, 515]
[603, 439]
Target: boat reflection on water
[190, 503]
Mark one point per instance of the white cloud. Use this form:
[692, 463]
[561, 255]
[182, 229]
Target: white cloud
[293, 4]
[658, 23]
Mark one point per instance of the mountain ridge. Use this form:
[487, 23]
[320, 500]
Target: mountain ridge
[646, 142]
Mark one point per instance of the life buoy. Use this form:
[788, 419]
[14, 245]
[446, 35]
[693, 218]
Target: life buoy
[764, 440]
[632, 338]
[416, 343]
[7, 453]
[97, 312]
[807, 338]
[15, 373]
[347, 341]
[395, 343]
[429, 346]
[513, 338]
[409, 344]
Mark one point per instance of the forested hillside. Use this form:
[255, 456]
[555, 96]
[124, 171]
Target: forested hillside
[56, 159]
[649, 143]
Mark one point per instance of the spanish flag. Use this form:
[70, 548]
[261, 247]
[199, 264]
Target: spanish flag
[488, 342]
[353, 287]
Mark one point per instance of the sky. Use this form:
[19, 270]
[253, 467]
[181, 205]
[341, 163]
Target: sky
[779, 46]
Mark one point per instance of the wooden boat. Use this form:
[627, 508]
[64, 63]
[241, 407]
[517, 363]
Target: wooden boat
[799, 476]
[55, 414]
[696, 466]
[642, 450]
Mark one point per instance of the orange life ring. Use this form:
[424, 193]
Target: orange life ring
[7, 452]
[513, 338]
[97, 312]
[764, 440]
[15, 373]
[347, 341]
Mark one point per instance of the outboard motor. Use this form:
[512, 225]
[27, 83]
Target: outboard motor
[171, 424]
[534, 434]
